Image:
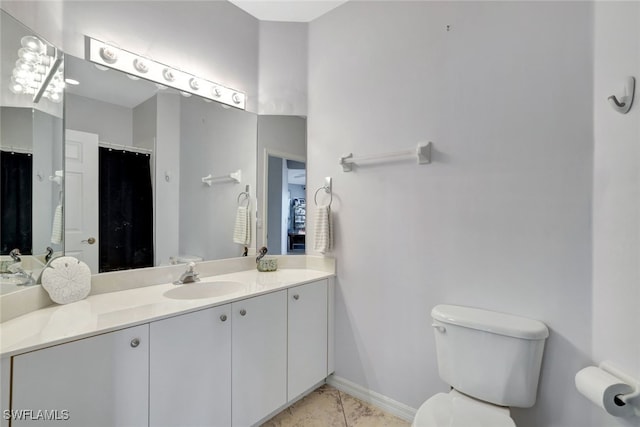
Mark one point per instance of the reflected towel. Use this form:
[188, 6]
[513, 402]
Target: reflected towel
[323, 230]
[242, 228]
[56, 228]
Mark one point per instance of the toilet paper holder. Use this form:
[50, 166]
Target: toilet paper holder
[624, 399]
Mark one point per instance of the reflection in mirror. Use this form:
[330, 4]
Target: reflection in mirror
[282, 144]
[146, 150]
[30, 154]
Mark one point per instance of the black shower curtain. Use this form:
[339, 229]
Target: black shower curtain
[126, 210]
[16, 199]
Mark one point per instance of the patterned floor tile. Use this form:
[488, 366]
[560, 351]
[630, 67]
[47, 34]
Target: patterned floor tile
[328, 407]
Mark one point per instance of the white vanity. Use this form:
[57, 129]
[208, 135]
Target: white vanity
[138, 357]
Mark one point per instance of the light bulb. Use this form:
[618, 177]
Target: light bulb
[32, 43]
[216, 91]
[54, 96]
[16, 87]
[21, 64]
[168, 75]
[194, 83]
[28, 56]
[109, 54]
[140, 65]
[20, 73]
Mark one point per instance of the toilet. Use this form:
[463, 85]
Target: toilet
[491, 361]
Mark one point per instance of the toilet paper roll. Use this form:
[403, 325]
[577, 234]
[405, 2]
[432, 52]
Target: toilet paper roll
[602, 388]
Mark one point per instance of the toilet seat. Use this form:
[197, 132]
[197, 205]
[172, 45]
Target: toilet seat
[455, 409]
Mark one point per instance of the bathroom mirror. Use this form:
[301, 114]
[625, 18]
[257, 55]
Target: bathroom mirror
[282, 153]
[31, 149]
[148, 149]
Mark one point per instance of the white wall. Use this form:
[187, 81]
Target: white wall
[212, 39]
[47, 135]
[113, 123]
[501, 218]
[218, 141]
[283, 68]
[616, 201]
[167, 202]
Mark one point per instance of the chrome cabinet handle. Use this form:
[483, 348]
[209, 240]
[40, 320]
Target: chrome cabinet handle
[135, 342]
[243, 312]
[296, 297]
[90, 240]
[223, 317]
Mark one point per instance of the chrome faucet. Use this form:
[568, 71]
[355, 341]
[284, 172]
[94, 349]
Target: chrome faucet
[49, 254]
[15, 255]
[189, 276]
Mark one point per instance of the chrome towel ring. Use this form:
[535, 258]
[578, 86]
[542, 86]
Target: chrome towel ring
[327, 189]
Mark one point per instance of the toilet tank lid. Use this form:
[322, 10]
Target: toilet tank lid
[491, 321]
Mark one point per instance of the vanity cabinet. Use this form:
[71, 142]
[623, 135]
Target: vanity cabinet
[307, 337]
[98, 381]
[229, 365]
[259, 357]
[190, 369]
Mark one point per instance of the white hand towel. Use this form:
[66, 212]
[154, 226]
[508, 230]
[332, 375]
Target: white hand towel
[242, 228]
[323, 241]
[56, 228]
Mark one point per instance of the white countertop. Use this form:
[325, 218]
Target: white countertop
[116, 310]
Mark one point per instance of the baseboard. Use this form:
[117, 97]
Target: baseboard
[385, 403]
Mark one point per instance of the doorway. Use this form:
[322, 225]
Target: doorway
[286, 205]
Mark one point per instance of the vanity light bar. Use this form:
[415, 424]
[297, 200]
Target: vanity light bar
[135, 65]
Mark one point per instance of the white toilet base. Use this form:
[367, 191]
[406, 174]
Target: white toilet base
[455, 409]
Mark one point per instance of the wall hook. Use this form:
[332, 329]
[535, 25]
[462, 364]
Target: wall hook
[623, 105]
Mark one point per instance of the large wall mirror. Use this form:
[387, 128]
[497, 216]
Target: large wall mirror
[282, 155]
[31, 154]
[119, 183]
[136, 156]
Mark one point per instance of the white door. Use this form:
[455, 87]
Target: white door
[190, 369]
[99, 381]
[81, 197]
[307, 331]
[258, 357]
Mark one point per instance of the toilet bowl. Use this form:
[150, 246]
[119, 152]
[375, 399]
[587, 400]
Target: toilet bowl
[491, 361]
[455, 409]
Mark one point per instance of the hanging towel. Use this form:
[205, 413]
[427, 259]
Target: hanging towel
[56, 229]
[323, 230]
[242, 228]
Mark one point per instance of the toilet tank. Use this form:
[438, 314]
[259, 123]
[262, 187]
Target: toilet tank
[494, 357]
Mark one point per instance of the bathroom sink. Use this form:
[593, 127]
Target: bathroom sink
[204, 290]
[15, 279]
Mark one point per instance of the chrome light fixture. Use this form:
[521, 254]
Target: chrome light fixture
[38, 70]
[110, 56]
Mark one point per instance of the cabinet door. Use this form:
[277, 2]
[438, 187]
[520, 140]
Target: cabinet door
[259, 357]
[190, 369]
[307, 331]
[99, 381]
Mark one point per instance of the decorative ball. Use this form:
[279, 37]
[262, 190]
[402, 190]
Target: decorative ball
[67, 280]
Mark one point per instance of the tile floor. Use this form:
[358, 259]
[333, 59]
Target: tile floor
[329, 407]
